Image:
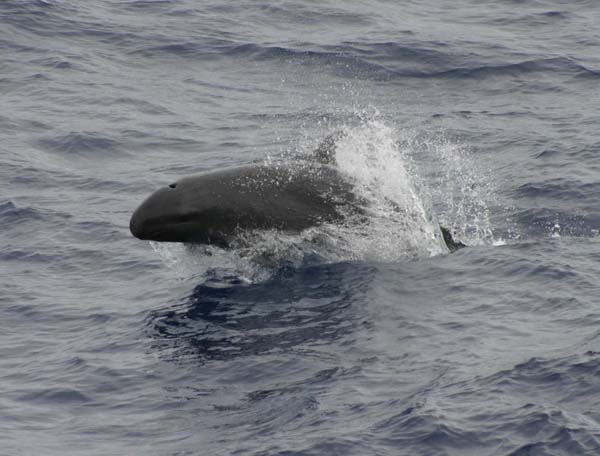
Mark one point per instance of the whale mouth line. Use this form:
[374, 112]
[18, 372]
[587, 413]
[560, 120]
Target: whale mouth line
[182, 231]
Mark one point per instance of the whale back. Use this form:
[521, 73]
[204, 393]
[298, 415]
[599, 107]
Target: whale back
[326, 150]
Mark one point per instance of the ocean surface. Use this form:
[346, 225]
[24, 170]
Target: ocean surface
[358, 339]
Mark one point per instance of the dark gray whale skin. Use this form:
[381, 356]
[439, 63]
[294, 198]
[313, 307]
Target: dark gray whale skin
[211, 208]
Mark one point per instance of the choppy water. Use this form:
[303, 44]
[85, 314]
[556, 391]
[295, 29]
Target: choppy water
[482, 115]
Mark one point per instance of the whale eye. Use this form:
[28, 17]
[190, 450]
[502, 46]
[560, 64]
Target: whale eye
[173, 185]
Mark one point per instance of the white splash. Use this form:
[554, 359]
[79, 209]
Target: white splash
[205, 262]
[399, 224]
[460, 192]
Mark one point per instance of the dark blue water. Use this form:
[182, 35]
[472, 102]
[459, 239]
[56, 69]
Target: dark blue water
[350, 341]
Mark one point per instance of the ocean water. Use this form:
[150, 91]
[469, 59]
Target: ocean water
[365, 339]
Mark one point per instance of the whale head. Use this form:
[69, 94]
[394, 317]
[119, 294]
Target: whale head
[183, 212]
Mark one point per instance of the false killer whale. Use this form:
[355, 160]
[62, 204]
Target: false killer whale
[212, 208]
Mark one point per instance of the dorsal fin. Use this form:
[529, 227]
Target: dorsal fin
[325, 151]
